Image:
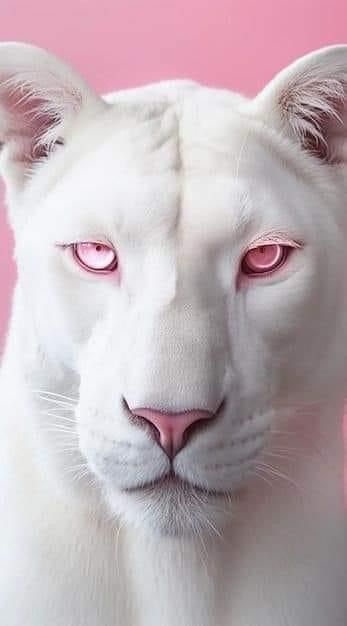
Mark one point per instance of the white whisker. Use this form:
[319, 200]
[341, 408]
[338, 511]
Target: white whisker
[207, 521]
[63, 404]
[278, 474]
[257, 474]
[120, 526]
[282, 432]
[63, 418]
[285, 457]
[53, 393]
[58, 428]
[78, 471]
[71, 448]
[203, 554]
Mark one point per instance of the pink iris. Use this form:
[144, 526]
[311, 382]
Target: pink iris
[95, 257]
[264, 258]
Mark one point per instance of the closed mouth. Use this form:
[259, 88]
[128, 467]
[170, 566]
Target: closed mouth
[171, 482]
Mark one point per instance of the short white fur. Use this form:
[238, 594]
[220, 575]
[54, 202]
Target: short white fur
[180, 179]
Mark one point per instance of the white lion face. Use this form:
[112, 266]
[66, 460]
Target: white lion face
[182, 263]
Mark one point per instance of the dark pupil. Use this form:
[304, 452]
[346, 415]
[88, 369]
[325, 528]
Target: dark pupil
[98, 247]
[262, 249]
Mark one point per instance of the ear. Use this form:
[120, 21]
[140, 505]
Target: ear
[308, 102]
[40, 98]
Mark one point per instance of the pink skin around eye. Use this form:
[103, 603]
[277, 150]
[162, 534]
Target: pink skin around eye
[95, 257]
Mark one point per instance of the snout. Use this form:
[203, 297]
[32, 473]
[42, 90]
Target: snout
[179, 370]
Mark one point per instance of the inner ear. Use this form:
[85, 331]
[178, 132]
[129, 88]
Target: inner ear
[43, 150]
[41, 99]
[316, 112]
[34, 120]
[307, 101]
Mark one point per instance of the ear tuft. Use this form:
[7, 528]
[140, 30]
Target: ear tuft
[308, 102]
[40, 97]
[33, 112]
[313, 105]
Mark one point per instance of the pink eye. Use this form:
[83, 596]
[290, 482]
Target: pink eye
[264, 259]
[95, 257]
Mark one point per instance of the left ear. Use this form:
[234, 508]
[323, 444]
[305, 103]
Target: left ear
[307, 101]
[41, 98]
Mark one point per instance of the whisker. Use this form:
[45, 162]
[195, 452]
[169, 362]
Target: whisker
[203, 555]
[208, 521]
[286, 449]
[292, 454]
[59, 428]
[278, 474]
[53, 393]
[69, 449]
[121, 525]
[259, 475]
[285, 457]
[59, 405]
[214, 530]
[77, 466]
[282, 432]
[79, 476]
[63, 418]
[78, 471]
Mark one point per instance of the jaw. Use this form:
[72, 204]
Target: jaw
[173, 507]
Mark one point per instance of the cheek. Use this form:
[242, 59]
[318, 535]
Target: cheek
[291, 320]
[281, 311]
[79, 308]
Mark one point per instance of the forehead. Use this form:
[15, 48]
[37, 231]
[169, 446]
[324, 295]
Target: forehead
[144, 169]
[193, 136]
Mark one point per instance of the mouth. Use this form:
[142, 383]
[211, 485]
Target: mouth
[172, 483]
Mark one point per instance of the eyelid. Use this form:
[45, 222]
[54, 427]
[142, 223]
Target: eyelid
[275, 239]
[98, 240]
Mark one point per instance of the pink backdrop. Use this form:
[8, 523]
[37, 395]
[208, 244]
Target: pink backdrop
[238, 44]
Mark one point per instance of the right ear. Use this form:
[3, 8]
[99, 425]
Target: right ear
[307, 102]
[40, 98]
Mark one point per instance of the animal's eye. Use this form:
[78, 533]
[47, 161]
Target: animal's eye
[265, 259]
[95, 257]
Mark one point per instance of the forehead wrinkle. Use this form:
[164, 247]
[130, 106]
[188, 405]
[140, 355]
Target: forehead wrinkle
[193, 144]
[160, 215]
[214, 225]
[146, 147]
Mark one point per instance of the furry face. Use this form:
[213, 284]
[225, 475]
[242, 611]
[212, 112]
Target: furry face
[181, 249]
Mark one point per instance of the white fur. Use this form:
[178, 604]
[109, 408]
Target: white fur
[181, 179]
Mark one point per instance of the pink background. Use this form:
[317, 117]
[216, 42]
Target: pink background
[238, 44]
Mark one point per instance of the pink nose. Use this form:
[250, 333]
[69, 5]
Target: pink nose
[172, 426]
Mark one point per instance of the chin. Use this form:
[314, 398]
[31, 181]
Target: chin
[174, 508]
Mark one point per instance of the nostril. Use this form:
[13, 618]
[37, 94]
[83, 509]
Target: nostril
[170, 430]
[193, 428]
[147, 425]
[142, 422]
